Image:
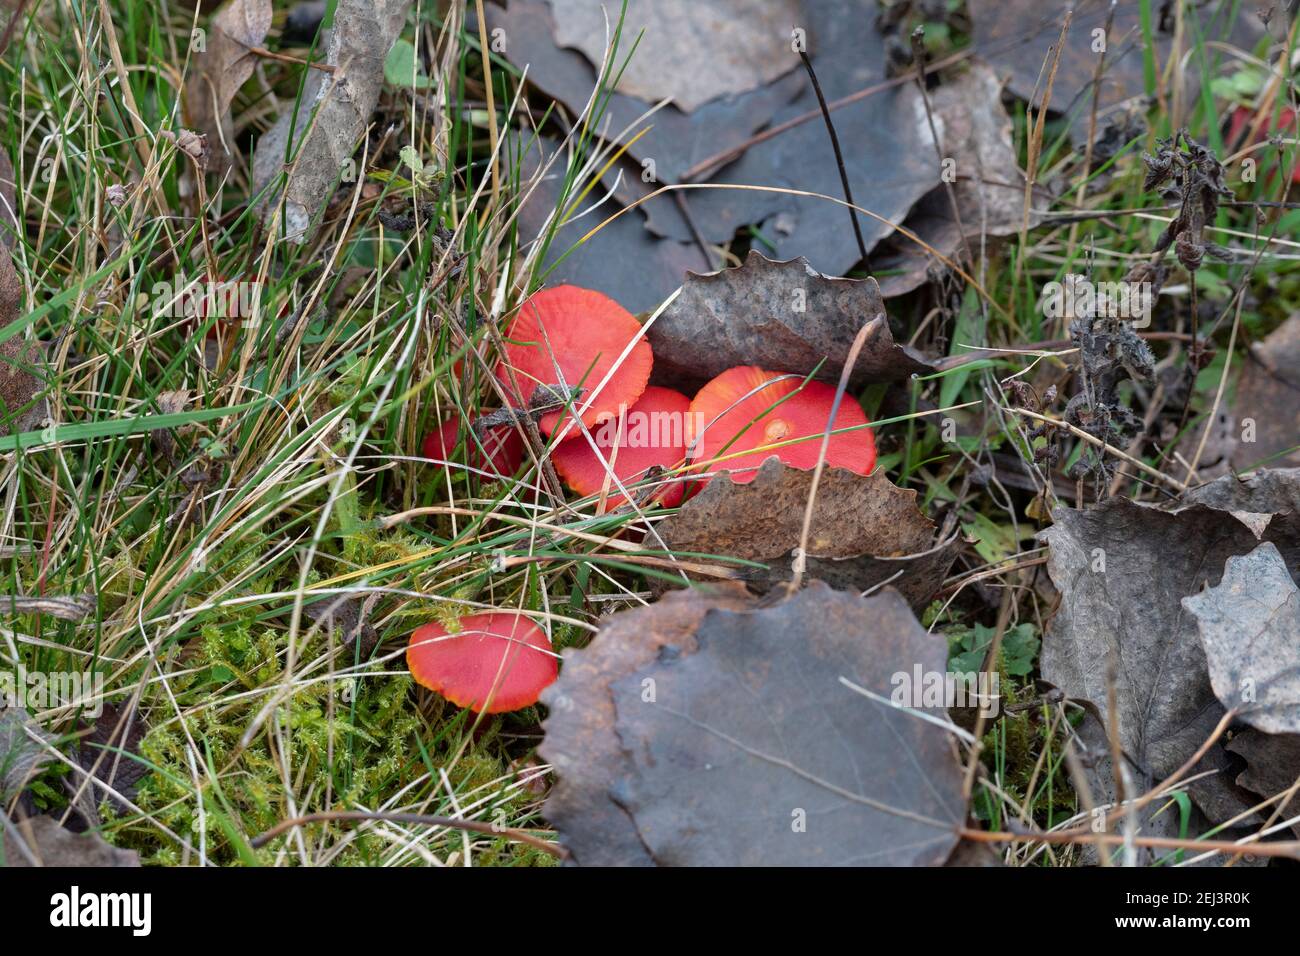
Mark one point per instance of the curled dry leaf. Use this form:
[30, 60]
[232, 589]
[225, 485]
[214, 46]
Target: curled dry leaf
[975, 131]
[332, 116]
[753, 750]
[580, 741]
[687, 51]
[865, 532]
[220, 70]
[776, 315]
[1121, 569]
[40, 841]
[1250, 627]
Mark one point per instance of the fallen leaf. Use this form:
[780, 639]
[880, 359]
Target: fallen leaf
[622, 259]
[344, 616]
[783, 316]
[890, 158]
[686, 51]
[1268, 395]
[1272, 767]
[865, 531]
[110, 752]
[754, 751]
[675, 140]
[1121, 569]
[989, 189]
[221, 69]
[40, 841]
[1018, 36]
[331, 118]
[1250, 627]
[580, 741]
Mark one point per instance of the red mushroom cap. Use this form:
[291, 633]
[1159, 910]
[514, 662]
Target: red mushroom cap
[496, 662]
[587, 333]
[722, 411]
[503, 445]
[652, 432]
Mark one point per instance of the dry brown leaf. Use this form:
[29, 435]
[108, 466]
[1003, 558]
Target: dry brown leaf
[782, 316]
[221, 70]
[865, 531]
[687, 51]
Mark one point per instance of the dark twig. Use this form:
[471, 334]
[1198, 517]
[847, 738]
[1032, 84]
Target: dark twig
[839, 157]
[13, 22]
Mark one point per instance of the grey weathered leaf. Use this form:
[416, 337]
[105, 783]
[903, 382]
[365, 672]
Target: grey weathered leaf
[865, 531]
[580, 741]
[1018, 36]
[45, 843]
[753, 750]
[1268, 394]
[676, 140]
[687, 51]
[1121, 569]
[622, 259]
[1250, 626]
[888, 149]
[219, 72]
[331, 119]
[975, 132]
[1272, 767]
[783, 316]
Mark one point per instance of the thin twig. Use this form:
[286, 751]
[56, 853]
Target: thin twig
[839, 157]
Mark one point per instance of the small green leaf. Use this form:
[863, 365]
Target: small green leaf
[412, 159]
[401, 69]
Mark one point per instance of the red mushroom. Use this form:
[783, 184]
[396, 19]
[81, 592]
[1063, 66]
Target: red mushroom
[652, 432]
[777, 412]
[495, 662]
[501, 453]
[585, 333]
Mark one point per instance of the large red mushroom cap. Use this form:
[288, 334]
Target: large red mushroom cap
[777, 411]
[585, 333]
[496, 662]
[652, 432]
[501, 454]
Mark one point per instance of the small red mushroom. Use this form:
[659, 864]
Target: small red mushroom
[585, 333]
[501, 453]
[783, 409]
[496, 662]
[652, 432]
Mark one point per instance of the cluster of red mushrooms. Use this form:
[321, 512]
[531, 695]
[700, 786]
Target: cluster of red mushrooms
[567, 337]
